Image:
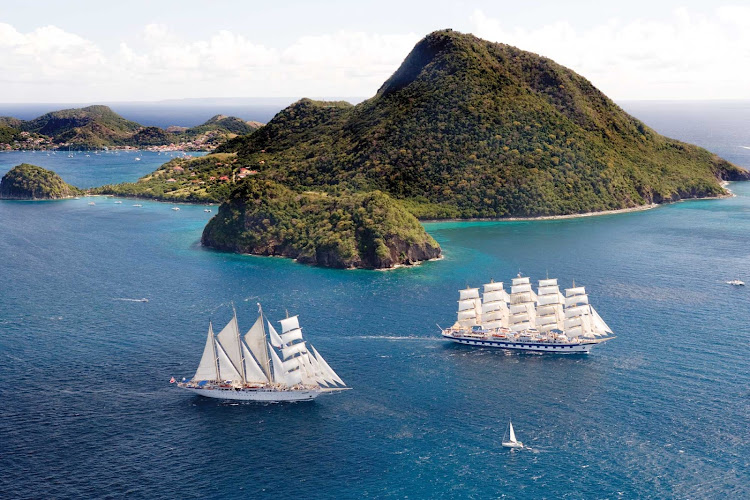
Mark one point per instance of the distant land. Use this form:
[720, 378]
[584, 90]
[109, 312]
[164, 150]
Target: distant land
[172, 112]
[465, 128]
[97, 126]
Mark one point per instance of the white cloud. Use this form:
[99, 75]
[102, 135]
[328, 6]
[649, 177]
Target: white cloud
[684, 57]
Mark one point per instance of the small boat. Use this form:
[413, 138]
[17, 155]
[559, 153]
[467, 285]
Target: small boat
[118, 202]
[92, 203]
[512, 442]
[207, 210]
[137, 159]
[137, 205]
[736, 282]
[175, 208]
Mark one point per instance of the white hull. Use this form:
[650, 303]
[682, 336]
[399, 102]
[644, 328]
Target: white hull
[515, 446]
[261, 394]
[528, 345]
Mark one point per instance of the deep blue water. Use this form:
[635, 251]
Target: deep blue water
[87, 410]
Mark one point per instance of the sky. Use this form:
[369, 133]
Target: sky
[82, 51]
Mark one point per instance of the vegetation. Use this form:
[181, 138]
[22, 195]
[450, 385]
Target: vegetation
[464, 128]
[368, 230]
[469, 128]
[29, 182]
[205, 179]
[99, 126]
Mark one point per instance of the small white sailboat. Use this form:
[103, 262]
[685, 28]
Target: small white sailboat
[511, 442]
[736, 282]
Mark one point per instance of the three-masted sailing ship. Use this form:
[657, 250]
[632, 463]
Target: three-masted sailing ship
[250, 369]
[545, 321]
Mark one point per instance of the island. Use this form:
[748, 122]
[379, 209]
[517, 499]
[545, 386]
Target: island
[464, 129]
[98, 127]
[29, 182]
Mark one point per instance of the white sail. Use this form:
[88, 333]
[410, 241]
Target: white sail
[253, 373]
[227, 370]
[289, 324]
[495, 296]
[273, 336]
[569, 292]
[522, 311]
[207, 369]
[279, 374]
[290, 351]
[465, 305]
[576, 311]
[468, 314]
[512, 434]
[314, 370]
[290, 364]
[549, 310]
[229, 339]
[576, 300]
[291, 336]
[326, 368]
[294, 378]
[600, 326]
[256, 341]
[525, 287]
[548, 290]
[469, 293]
[493, 287]
[519, 308]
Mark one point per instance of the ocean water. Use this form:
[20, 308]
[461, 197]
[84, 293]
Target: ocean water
[87, 409]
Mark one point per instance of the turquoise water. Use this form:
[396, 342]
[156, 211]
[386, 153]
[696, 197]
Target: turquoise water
[87, 410]
[93, 170]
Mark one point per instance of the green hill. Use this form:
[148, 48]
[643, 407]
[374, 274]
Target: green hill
[362, 230]
[470, 128]
[99, 126]
[92, 126]
[29, 182]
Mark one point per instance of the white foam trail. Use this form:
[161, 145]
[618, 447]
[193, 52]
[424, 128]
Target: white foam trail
[745, 147]
[130, 300]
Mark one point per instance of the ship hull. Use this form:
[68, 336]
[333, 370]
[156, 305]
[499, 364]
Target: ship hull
[530, 346]
[262, 395]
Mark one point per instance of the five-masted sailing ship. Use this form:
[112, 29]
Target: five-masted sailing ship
[545, 321]
[249, 369]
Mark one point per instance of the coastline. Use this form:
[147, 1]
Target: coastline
[639, 208]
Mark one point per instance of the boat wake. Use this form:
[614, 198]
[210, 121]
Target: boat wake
[745, 147]
[397, 337]
[130, 300]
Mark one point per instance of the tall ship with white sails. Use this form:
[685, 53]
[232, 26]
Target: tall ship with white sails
[542, 321]
[249, 369]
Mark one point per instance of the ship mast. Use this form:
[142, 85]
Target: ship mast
[239, 343]
[267, 367]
